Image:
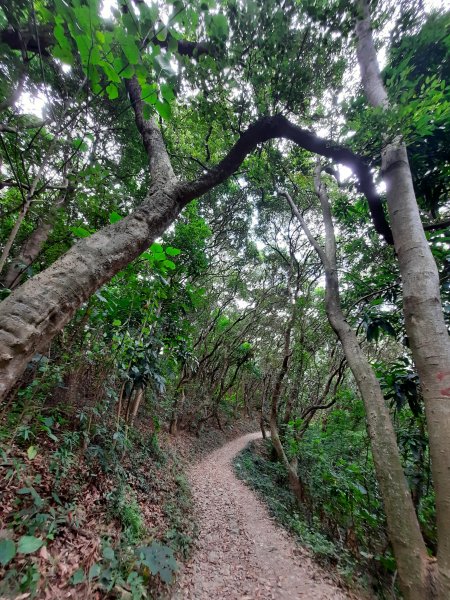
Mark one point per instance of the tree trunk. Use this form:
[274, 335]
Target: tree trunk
[28, 253]
[291, 466]
[135, 405]
[38, 309]
[424, 320]
[176, 410]
[403, 527]
[32, 246]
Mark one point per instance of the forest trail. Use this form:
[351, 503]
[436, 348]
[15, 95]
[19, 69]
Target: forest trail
[241, 553]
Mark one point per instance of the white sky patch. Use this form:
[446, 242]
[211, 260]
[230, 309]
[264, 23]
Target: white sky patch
[106, 10]
[32, 104]
[344, 172]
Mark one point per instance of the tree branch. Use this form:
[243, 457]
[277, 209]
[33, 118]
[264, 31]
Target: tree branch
[45, 39]
[159, 161]
[437, 226]
[278, 126]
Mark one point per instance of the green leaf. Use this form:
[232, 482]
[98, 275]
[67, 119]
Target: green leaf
[156, 248]
[162, 35]
[61, 37]
[218, 26]
[162, 65]
[84, 45]
[94, 571]
[172, 251]
[167, 92]
[169, 265]
[117, 323]
[108, 553]
[63, 55]
[77, 577]
[114, 217]
[128, 46]
[80, 145]
[32, 452]
[29, 544]
[149, 93]
[80, 232]
[146, 112]
[159, 559]
[7, 551]
[164, 110]
[83, 18]
[110, 72]
[112, 91]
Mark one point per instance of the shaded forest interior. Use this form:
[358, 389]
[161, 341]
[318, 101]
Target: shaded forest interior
[219, 217]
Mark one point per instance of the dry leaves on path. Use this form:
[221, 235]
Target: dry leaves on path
[241, 553]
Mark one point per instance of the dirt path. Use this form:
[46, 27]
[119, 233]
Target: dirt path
[241, 553]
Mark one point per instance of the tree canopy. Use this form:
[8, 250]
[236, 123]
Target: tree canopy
[202, 217]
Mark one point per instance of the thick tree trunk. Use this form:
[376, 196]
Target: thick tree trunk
[38, 309]
[404, 531]
[424, 320]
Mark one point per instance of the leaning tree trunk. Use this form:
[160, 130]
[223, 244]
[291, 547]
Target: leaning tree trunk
[41, 307]
[32, 246]
[34, 313]
[424, 320]
[403, 527]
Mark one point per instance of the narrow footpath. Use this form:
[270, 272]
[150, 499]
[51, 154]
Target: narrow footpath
[241, 553]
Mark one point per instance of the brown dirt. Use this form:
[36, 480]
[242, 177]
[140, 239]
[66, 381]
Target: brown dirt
[241, 553]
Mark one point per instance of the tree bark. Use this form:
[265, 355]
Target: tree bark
[403, 527]
[424, 320]
[39, 309]
[135, 405]
[33, 245]
[290, 465]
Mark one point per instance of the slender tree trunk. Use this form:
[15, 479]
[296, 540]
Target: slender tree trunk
[135, 405]
[176, 410]
[404, 531]
[424, 320]
[262, 419]
[32, 246]
[291, 466]
[27, 203]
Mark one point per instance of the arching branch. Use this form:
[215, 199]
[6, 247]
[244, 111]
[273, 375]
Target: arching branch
[279, 126]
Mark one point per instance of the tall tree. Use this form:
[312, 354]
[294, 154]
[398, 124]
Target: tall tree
[424, 320]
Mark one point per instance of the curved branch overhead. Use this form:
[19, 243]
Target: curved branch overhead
[261, 131]
[26, 39]
[279, 126]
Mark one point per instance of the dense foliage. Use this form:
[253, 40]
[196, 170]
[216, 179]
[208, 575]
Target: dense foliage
[225, 311]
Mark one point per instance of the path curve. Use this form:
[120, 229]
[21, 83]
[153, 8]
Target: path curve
[241, 553]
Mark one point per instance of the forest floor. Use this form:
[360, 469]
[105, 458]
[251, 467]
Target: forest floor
[241, 553]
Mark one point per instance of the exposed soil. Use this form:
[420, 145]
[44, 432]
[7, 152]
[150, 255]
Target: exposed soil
[241, 553]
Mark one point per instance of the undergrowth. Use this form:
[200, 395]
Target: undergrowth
[269, 480]
[89, 513]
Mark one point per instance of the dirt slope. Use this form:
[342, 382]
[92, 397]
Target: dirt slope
[241, 553]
